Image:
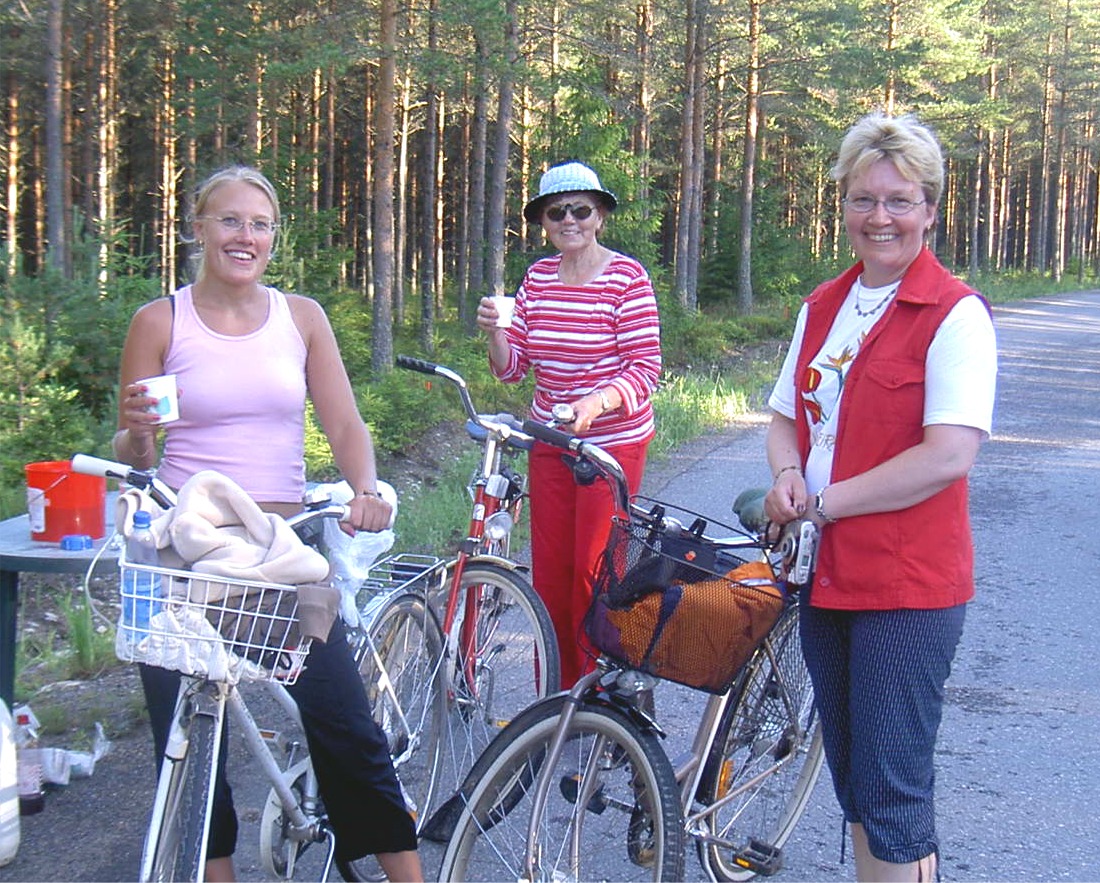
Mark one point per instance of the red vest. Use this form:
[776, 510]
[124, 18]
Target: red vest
[920, 557]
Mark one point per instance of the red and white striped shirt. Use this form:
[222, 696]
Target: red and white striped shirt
[581, 338]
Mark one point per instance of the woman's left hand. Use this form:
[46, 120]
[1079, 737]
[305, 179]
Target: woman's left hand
[585, 411]
[368, 512]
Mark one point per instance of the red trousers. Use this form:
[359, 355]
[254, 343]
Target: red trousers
[570, 525]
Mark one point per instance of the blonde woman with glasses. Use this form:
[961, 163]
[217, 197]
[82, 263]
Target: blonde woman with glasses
[880, 408]
[246, 357]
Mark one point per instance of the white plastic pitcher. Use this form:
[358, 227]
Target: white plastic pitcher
[9, 788]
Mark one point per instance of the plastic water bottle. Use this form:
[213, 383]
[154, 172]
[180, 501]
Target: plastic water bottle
[140, 588]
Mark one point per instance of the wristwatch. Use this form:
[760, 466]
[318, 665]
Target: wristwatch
[819, 506]
[605, 403]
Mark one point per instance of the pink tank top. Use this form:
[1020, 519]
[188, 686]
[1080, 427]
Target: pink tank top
[242, 402]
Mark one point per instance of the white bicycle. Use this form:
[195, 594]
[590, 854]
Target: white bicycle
[246, 631]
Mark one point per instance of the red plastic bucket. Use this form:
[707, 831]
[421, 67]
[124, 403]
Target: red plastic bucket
[60, 501]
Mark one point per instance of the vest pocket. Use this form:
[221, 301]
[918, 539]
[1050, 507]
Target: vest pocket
[899, 397]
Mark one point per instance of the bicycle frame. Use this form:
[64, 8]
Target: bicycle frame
[497, 500]
[215, 700]
[602, 685]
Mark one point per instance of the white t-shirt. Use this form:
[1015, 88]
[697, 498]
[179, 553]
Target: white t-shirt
[960, 371]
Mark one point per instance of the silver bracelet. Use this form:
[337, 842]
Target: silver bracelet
[605, 402]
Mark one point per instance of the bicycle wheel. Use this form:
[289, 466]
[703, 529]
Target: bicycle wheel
[511, 661]
[177, 849]
[612, 809]
[769, 745]
[278, 850]
[407, 693]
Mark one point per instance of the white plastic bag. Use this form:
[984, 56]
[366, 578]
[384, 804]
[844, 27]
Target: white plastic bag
[352, 557]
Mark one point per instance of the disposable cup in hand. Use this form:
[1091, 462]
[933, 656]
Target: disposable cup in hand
[505, 307]
[163, 389]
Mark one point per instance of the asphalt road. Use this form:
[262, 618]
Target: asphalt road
[1018, 763]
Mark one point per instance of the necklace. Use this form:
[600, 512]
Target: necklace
[863, 314]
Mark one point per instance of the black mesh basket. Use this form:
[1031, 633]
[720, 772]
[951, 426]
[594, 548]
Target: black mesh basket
[670, 602]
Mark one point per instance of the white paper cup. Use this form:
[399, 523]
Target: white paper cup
[163, 389]
[505, 307]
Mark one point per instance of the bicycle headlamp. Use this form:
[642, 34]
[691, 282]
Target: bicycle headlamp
[498, 526]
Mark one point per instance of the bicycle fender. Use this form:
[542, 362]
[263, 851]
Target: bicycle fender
[625, 707]
[505, 563]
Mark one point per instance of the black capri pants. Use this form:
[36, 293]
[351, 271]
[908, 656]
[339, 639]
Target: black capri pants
[349, 752]
[878, 678]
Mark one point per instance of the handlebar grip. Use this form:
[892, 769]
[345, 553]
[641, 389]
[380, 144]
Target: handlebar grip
[89, 465]
[420, 365]
[551, 436]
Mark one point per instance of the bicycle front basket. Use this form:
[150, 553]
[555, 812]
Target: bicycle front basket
[661, 606]
[222, 629]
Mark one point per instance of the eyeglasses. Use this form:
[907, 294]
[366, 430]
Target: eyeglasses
[894, 205]
[233, 224]
[580, 212]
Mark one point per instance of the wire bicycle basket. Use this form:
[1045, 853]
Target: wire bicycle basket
[222, 629]
[670, 602]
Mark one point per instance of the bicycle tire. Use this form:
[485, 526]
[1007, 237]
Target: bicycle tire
[409, 643]
[514, 663]
[629, 823]
[756, 732]
[179, 851]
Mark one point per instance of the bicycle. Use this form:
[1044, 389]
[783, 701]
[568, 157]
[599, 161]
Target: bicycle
[579, 787]
[499, 647]
[248, 635]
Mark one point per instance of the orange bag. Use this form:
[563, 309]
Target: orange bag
[696, 633]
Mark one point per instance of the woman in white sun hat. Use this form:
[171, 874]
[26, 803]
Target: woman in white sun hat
[585, 322]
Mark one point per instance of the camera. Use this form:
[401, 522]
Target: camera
[799, 549]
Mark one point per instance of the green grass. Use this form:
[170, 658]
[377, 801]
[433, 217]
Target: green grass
[92, 650]
[1007, 287]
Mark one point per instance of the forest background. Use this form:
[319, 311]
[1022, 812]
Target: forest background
[405, 138]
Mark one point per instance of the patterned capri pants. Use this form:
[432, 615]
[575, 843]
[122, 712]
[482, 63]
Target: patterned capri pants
[878, 679]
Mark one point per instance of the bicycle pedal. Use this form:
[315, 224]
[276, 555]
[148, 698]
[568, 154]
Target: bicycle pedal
[760, 858]
[570, 787]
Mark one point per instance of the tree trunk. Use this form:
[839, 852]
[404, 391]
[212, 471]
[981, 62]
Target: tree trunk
[169, 179]
[383, 229]
[13, 134]
[643, 41]
[748, 161]
[57, 248]
[430, 203]
[108, 136]
[498, 182]
[476, 214]
[682, 257]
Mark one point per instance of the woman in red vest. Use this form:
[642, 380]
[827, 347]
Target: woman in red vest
[883, 401]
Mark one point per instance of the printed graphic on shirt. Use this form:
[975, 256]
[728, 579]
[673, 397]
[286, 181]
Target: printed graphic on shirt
[823, 387]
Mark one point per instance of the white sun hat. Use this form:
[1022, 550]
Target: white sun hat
[567, 177]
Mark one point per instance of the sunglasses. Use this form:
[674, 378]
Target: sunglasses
[580, 212]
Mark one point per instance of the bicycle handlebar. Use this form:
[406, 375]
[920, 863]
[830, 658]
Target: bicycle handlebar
[146, 480]
[607, 465]
[165, 497]
[504, 426]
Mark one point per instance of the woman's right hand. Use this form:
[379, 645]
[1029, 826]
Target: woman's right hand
[487, 316]
[786, 501]
[140, 422]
